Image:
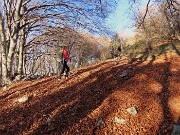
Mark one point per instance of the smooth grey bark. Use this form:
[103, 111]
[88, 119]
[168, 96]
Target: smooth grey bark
[21, 53]
[5, 77]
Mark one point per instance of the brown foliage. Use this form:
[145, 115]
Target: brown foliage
[75, 105]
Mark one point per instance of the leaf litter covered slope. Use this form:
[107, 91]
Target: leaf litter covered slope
[94, 93]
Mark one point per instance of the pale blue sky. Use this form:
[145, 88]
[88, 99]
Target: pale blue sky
[120, 21]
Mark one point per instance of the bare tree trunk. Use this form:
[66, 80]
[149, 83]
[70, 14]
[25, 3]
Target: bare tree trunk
[24, 65]
[0, 64]
[9, 42]
[21, 54]
[33, 62]
[5, 78]
[20, 63]
[10, 56]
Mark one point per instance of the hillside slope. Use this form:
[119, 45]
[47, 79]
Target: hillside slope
[90, 99]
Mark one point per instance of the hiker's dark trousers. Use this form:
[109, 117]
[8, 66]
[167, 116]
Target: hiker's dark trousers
[63, 67]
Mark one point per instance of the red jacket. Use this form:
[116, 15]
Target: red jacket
[65, 55]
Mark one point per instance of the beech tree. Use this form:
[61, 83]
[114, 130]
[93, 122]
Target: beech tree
[20, 19]
[167, 10]
[159, 20]
[82, 46]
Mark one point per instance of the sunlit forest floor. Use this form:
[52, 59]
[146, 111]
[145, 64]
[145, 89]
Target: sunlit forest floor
[89, 100]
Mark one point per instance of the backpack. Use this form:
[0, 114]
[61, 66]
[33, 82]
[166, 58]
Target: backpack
[119, 48]
[60, 56]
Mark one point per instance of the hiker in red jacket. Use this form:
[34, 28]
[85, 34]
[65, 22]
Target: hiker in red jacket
[64, 59]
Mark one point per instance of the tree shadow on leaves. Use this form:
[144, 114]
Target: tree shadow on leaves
[70, 106]
[163, 48]
[175, 48]
[166, 125]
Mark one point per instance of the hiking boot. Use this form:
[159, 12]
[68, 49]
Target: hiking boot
[66, 76]
[59, 78]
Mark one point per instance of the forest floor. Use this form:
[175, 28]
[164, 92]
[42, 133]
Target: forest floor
[95, 100]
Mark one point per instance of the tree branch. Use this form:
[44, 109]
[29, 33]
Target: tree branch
[147, 8]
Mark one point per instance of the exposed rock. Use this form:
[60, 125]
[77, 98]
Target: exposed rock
[131, 67]
[176, 130]
[123, 75]
[23, 99]
[49, 120]
[132, 111]
[5, 88]
[35, 94]
[139, 60]
[100, 122]
[119, 121]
